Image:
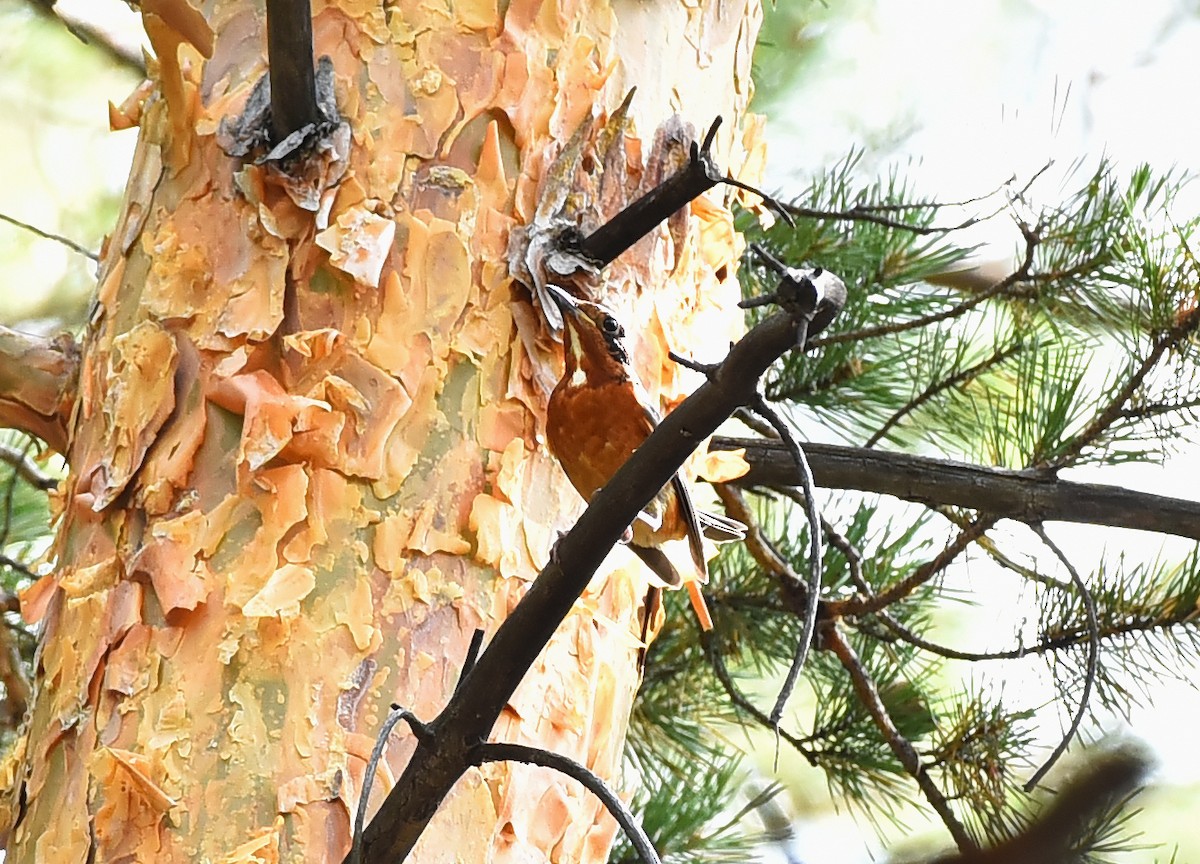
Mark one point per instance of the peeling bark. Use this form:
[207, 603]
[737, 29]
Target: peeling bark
[306, 460]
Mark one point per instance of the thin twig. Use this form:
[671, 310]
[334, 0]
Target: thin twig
[46, 235]
[1089, 604]
[1183, 615]
[744, 415]
[960, 377]
[836, 539]
[1150, 410]
[96, 35]
[472, 655]
[863, 213]
[899, 631]
[1110, 413]
[759, 547]
[360, 815]
[868, 212]
[1029, 574]
[740, 700]
[502, 752]
[901, 589]
[26, 468]
[18, 566]
[765, 411]
[1021, 274]
[868, 694]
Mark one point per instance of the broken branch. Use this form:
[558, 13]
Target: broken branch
[38, 378]
[290, 61]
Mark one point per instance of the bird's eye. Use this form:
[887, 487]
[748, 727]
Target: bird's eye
[610, 325]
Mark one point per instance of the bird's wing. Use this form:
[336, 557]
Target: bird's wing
[695, 533]
[720, 529]
[687, 510]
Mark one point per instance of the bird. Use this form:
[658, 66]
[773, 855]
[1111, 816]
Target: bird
[597, 415]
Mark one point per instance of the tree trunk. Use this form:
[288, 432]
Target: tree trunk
[307, 457]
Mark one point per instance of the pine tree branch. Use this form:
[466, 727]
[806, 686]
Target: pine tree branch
[1005, 286]
[961, 377]
[870, 213]
[1054, 836]
[868, 694]
[988, 545]
[1180, 615]
[1110, 413]
[1026, 496]
[38, 379]
[893, 593]
[757, 544]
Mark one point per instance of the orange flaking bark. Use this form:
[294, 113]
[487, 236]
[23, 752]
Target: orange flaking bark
[350, 479]
[139, 396]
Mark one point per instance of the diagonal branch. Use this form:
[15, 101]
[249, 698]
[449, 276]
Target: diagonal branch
[1028, 496]
[1167, 341]
[48, 235]
[900, 746]
[960, 377]
[26, 468]
[695, 178]
[468, 718]
[1005, 286]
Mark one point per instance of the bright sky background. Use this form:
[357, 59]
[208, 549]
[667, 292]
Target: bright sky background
[973, 93]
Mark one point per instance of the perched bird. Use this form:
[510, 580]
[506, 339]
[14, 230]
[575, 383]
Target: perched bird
[595, 419]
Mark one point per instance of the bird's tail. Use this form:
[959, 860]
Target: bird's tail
[661, 566]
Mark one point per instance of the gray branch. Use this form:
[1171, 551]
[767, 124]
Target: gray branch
[1026, 496]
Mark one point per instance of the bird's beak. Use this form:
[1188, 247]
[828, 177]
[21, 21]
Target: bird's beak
[563, 300]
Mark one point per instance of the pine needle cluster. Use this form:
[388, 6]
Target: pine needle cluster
[1083, 353]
